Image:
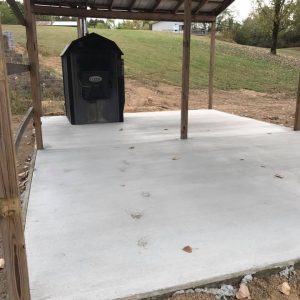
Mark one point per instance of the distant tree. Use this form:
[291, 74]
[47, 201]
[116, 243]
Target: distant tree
[92, 23]
[227, 25]
[254, 31]
[64, 18]
[7, 16]
[110, 23]
[278, 14]
[101, 24]
[135, 25]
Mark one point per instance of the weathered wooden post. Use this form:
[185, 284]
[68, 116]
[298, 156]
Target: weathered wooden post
[81, 27]
[32, 48]
[297, 114]
[212, 64]
[10, 206]
[185, 69]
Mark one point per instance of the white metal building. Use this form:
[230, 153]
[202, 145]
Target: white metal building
[167, 26]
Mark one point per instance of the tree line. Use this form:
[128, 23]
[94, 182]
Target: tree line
[273, 25]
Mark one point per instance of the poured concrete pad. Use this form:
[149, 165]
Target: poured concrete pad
[112, 205]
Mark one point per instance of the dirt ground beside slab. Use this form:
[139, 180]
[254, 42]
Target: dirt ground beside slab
[262, 287]
[274, 108]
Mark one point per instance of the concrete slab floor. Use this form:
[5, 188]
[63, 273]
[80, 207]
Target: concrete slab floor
[112, 205]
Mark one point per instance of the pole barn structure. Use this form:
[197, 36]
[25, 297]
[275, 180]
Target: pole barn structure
[156, 10]
[186, 11]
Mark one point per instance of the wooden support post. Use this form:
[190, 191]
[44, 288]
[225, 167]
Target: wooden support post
[212, 65]
[81, 27]
[33, 57]
[16, 10]
[10, 206]
[297, 115]
[185, 69]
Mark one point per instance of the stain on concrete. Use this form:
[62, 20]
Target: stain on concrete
[146, 194]
[142, 242]
[136, 215]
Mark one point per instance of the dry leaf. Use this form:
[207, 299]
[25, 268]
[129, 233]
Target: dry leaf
[2, 262]
[285, 288]
[188, 249]
[243, 292]
[278, 176]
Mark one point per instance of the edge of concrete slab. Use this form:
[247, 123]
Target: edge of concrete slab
[236, 277]
[26, 195]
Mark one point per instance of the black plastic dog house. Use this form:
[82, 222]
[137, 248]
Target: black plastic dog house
[93, 75]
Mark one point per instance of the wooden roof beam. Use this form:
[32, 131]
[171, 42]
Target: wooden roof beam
[17, 12]
[199, 6]
[111, 4]
[178, 6]
[156, 5]
[222, 7]
[118, 14]
[132, 5]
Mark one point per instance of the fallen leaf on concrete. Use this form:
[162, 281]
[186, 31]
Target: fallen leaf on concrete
[188, 249]
[285, 288]
[132, 147]
[2, 262]
[175, 157]
[243, 292]
[278, 176]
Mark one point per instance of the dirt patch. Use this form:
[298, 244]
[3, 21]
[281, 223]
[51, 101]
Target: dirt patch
[278, 108]
[261, 288]
[274, 108]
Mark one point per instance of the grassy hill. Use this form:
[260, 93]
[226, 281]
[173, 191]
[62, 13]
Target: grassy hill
[295, 52]
[156, 57]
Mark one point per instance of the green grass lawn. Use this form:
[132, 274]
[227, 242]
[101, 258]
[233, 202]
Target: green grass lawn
[156, 57]
[295, 52]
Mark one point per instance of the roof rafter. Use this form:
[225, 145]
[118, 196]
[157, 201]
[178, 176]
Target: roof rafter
[111, 4]
[117, 14]
[222, 7]
[199, 6]
[180, 2]
[156, 5]
[132, 5]
[15, 8]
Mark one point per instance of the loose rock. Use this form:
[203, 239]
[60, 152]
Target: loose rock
[287, 272]
[221, 293]
[243, 292]
[181, 292]
[248, 278]
[285, 288]
[2, 263]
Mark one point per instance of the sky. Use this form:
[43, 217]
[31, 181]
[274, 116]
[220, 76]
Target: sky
[242, 8]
